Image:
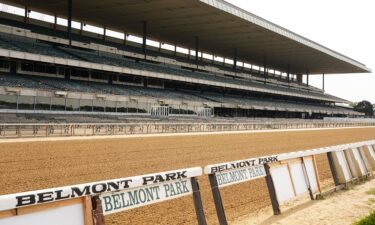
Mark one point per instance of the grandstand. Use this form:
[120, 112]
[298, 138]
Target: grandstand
[224, 62]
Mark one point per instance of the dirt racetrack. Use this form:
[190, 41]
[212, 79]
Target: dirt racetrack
[36, 165]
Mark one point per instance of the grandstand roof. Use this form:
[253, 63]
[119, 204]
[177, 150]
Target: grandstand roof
[221, 27]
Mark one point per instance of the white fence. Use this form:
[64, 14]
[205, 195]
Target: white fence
[288, 176]
[87, 204]
[295, 174]
[349, 120]
[100, 129]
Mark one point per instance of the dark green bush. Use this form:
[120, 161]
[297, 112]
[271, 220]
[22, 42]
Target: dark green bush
[368, 220]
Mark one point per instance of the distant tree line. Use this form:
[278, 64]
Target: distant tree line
[364, 107]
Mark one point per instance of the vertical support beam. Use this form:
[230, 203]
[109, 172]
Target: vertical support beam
[333, 168]
[323, 85]
[70, 15]
[87, 207]
[81, 29]
[217, 200]
[265, 69]
[307, 179]
[307, 78]
[67, 74]
[198, 202]
[288, 74]
[97, 211]
[55, 22]
[235, 54]
[104, 32]
[144, 38]
[196, 49]
[317, 174]
[110, 78]
[125, 38]
[175, 50]
[272, 191]
[299, 78]
[26, 16]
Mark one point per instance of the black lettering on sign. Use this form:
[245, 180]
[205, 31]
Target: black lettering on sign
[237, 165]
[268, 160]
[99, 188]
[25, 200]
[131, 198]
[45, 197]
[163, 178]
[77, 192]
[59, 195]
[42, 197]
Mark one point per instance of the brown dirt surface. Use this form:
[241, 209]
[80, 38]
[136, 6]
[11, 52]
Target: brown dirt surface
[37, 165]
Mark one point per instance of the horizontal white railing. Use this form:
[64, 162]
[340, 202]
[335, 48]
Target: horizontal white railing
[103, 129]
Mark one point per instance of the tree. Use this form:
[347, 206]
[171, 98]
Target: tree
[365, 107]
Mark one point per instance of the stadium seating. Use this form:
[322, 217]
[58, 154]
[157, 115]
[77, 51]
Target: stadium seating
[55, 84]
[30, 45]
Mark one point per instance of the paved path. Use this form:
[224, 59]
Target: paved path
[342, 208]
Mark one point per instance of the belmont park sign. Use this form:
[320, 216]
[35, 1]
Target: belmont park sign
[129, 199]
[240, 175]
[239, 171]
[239, 164]
[116, 195]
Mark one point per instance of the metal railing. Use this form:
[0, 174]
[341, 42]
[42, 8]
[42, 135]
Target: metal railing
[101, 129]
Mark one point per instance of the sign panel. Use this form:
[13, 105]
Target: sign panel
[311, 173]
[31, 198]
[344, 165]
[283, 183]
[71, 214]
[372, 151]
[359, 161]
[365, 158]
[298, 177]
[231, 177]
[353, 167]
[293, 179]
[133, 198]
[211, 169]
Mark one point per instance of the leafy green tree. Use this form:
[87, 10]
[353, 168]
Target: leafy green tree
[365, 107]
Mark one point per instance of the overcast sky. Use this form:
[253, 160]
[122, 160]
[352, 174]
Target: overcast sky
[346, 26]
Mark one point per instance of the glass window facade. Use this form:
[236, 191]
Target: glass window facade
[58, 104]
[8, 101]
[42, 103]
[82, 105]
[26, 102]
[72, 104]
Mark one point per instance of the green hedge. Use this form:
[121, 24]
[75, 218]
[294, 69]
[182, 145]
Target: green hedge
[368, 220]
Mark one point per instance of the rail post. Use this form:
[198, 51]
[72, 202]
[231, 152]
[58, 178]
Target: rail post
[198, 202]
[272, 191]
[97, 211]
[217, 200]
[333, 168]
